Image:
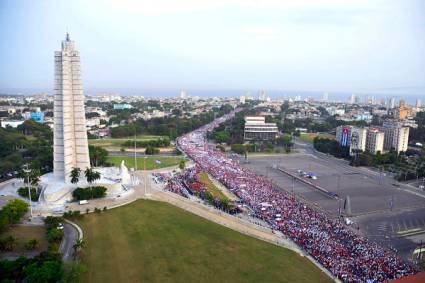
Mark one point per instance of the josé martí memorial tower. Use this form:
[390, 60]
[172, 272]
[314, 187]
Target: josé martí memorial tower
[70, 145]
[70, 148]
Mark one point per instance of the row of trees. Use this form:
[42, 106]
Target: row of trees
[90, 174]
[30, 143]
[161, 142]
[171, 126]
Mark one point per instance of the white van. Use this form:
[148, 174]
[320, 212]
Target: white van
[84, 201]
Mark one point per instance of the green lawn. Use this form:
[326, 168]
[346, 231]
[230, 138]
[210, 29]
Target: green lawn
[216, 192]
[309, 137]
[117, 142]
[150, 161]
[150, 241]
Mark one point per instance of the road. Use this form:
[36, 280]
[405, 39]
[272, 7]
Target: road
[67, 245]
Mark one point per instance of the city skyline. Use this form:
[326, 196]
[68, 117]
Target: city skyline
[325, 46]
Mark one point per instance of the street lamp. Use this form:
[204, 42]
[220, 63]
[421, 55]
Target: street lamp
[144, 171]
[27, 171]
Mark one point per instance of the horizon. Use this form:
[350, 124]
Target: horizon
[324, 46]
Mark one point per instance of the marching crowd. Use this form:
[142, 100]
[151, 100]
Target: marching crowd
[346, 255]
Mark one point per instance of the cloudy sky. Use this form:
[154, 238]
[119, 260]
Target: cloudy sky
[329, 45]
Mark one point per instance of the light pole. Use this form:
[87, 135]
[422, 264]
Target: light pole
[144, 171]
[27, 173]
[135, 145]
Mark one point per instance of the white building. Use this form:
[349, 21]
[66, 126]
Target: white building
[70, 137]
[262, 95]
[391, 103]
[374, 140]
[418, 103]
[256, 128]
[242, 99]
[183, 94]
[11, 123]
[396, 136]
[325, 97]
[357, 140]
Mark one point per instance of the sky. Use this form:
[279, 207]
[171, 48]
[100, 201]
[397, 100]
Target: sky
[317, 45]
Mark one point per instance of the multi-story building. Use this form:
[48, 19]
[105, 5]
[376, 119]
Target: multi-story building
[357, 140]
[256, 128]
[374, 140]
[396, 136]
[402, 111]
[122, 106]
[343, 135]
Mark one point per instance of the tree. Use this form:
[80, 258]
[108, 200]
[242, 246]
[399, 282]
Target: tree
[91, 175]
[75, 175]
[182, 164]
[98, 155]
[14, 210]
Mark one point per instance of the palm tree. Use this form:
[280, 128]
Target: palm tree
[34, 177]
[75, 175]
[91, 175]
[79, 244]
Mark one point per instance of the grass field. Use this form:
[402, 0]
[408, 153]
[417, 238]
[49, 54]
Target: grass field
[111, 142]
[150, 241]
[150, 162]
[216, 192]
[309, 137]
[24, 233]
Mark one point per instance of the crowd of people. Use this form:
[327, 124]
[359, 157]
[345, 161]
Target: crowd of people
[346, 255]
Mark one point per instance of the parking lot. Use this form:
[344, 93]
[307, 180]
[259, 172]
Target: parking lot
[379, 206]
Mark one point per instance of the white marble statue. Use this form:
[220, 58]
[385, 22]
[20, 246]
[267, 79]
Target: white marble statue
[125, 176]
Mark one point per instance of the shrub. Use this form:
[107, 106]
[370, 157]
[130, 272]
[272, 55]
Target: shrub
[8, 243]
[31, 244]
[89, 193]
[54, 235]
[238, 148]
[23, 192]
[150, 150]
[97, 210]
[105, 208]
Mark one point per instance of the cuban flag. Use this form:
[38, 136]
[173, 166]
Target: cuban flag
[344, 138]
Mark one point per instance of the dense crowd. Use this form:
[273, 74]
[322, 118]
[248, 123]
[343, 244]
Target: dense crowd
[346, 255]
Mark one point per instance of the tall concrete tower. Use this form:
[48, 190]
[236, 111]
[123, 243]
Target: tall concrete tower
[70, 135]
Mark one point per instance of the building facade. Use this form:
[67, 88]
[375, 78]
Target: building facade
[256, 128]
[343, 135]
[374, 140]
[357, 140]
[396, 136]
[70, 148]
